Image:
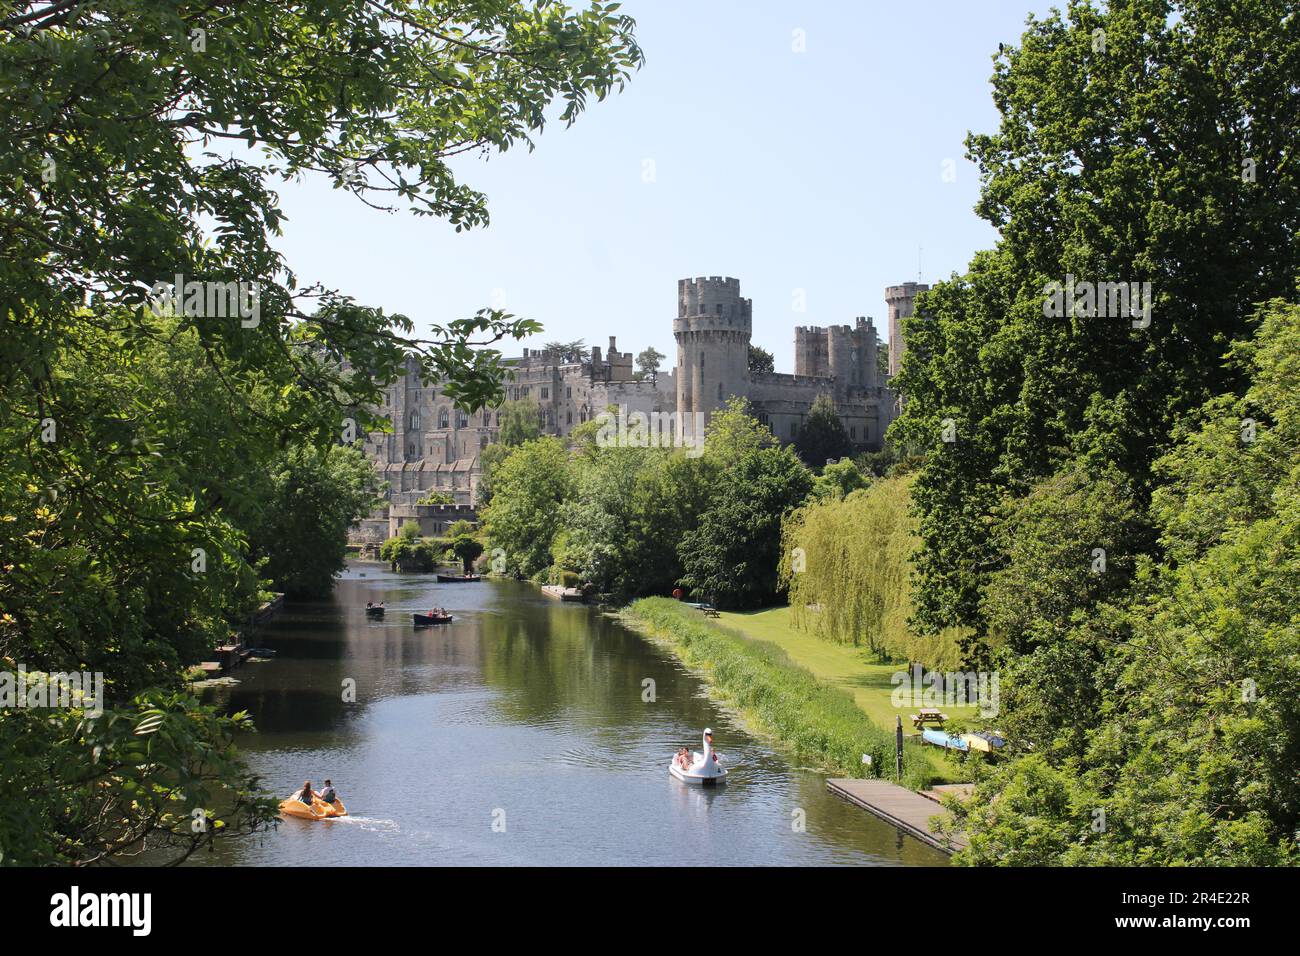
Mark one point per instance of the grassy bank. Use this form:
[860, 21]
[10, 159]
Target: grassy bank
[846, 667]
[815, 720]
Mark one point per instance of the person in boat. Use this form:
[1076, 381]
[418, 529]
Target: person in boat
[306, 794]
[683, 758]
[328, 793]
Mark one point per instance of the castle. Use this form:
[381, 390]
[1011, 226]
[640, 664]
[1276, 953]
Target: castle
[434, 447]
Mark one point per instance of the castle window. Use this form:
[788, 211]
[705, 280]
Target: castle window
[442, 418]
[719, 391]
[487, 419]
[546, 393]
[569, 417]
[701, 360]
[718, 308]
[415, 420]
[568, 391]
[764, 420]
[410, 450]
[462, 419]
[853, 432]
[794, 429]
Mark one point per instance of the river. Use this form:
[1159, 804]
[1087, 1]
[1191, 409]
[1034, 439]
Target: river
[516, 735]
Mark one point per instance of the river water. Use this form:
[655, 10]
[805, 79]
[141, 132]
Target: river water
[517, 734]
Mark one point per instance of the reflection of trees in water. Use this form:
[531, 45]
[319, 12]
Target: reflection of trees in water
[552, 661]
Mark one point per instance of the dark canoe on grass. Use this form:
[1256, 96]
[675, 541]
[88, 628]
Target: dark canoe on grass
[424, 620]
[458, 578]
[374, 612]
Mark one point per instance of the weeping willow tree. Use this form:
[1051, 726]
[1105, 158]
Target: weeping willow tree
[848, 570]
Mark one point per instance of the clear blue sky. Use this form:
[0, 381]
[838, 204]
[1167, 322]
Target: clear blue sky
[819, 171]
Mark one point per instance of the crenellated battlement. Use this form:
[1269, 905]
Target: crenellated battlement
[715, 296]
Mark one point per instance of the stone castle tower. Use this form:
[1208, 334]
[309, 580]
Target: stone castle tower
[712, 330]
[901, 300]
[844, 353]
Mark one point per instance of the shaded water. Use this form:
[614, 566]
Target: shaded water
[524, 713]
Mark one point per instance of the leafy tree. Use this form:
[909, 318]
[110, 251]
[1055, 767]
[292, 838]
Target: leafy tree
[847, 561]
[599, 519]
[1097, 176]
[466, 548]
[567, 351]
[648, 361]
[459, 528]
[126, 532]
[733, 553]
[488, 459]
[839, 480]
[313, 499]
[1190, 753]
[822, 437]
[760, 359]
[1071, 543]
[732, 433]
[437, 498]
[407, 551]
[519, 421]
[530, 489]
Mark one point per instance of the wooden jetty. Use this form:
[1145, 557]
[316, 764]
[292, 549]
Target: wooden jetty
[562, 593]
[908, 811]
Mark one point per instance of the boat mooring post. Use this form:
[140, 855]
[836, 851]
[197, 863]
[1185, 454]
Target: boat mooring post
[898, 748]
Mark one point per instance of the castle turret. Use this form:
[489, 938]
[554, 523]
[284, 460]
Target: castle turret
[712, 329]
[901, 300]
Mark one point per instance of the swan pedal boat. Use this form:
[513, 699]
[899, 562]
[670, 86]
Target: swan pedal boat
[704, 771]
[319, 809]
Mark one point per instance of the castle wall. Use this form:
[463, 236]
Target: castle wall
[435, 447]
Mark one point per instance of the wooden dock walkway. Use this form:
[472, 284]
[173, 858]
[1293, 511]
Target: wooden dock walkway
[908, 811]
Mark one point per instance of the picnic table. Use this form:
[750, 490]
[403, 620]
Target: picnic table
[709, 610]
[928, 715]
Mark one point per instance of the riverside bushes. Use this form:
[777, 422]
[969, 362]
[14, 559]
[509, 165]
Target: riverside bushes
[782, 699]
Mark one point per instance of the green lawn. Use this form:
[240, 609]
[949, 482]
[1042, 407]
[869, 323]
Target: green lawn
[842, 666]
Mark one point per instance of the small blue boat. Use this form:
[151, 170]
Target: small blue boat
[941, 738]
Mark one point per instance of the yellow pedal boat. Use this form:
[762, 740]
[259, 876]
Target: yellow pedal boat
[319, 809]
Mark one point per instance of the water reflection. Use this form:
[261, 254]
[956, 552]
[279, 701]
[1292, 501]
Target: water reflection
[517, 734]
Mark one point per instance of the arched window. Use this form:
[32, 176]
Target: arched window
[415, 419]
[442, 417]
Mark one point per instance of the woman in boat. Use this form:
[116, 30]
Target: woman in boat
[683, 758]
[306, 794]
